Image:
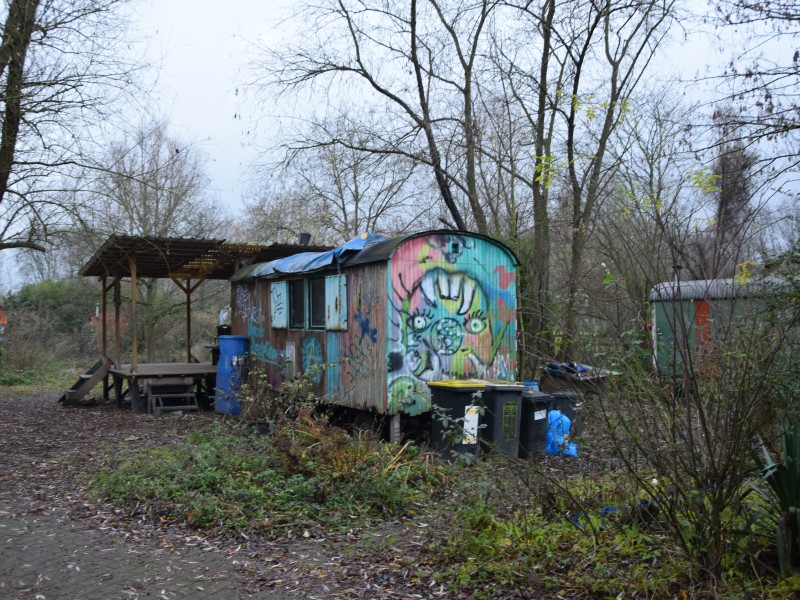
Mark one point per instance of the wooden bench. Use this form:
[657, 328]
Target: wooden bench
[170, 393]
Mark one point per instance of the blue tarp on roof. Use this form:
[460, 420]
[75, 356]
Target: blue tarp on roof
[264, 269]
[364, 249]
[312, 261]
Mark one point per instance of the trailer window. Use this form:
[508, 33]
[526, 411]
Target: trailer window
[316, 303]
[297, 304]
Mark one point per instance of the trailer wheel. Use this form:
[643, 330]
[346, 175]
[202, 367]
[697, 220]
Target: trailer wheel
[366, 423]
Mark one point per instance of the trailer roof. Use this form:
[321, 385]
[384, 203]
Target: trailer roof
[363, 249]
[384, 250]
[715, 289]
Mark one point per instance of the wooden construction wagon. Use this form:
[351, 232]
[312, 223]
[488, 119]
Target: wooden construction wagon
[372, 322]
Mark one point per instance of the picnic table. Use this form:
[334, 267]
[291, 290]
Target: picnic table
[202, 373]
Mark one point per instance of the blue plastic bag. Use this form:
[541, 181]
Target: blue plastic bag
[558, 425]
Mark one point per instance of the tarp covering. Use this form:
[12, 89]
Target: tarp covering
[313, 261]
[366, 248]
[306, 262]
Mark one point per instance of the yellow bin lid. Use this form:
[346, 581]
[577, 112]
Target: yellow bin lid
[456, 384]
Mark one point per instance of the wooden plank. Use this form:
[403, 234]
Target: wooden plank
[159, 370]
[85, 383]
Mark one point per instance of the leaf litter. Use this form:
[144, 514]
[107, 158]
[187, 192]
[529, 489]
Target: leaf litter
[49, 453]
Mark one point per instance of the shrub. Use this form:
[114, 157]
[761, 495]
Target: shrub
[307, 473]
[783, 497]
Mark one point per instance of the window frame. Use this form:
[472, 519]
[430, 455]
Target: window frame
[315, 303]
[295, 321]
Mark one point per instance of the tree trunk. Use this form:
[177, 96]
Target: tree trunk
[540, 277]
[17, 33]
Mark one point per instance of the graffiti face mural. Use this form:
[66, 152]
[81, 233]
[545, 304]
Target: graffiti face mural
[446, 326]
[453, 315]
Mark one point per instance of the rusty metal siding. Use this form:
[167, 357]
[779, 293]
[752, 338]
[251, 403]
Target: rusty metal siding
[250, 317]
[336, 302]
[444, 306]
[361, 365]
[453, 301]
[238, 316]
[348, 366]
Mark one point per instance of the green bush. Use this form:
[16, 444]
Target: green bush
[558, 536]
[51, 318]
[310, 473]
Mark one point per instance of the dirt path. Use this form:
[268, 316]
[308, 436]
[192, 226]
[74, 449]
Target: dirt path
[57, 543]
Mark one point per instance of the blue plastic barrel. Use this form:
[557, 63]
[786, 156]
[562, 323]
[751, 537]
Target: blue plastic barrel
[230, 371]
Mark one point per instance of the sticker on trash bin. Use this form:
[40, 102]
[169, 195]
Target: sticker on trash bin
[471, 415]
[510, 424]
[539, 415]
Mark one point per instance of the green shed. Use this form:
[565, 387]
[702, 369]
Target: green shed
[691, 320]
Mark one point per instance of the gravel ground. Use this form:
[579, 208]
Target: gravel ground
[56, 541]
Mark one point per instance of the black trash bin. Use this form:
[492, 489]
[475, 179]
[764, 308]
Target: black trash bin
[533, 424]
[503, 402]
[491, 413]
[570, 404]
[459, 399]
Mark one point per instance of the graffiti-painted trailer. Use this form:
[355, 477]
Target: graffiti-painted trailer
[371, 322]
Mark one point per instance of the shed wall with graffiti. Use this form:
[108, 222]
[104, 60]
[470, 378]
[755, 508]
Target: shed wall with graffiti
[372, 322]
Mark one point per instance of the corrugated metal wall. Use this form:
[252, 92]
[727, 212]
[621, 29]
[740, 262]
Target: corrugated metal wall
[251, 317]
[453, 315]
[361, 353]
[350, 365]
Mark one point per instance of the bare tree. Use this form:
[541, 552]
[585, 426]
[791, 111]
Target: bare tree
[628, 35]
[60, 69]
[643, 227]
[352, 191]
[284, 209]
[419, 60]
[572, 81]
[764, 70]
[154, 185]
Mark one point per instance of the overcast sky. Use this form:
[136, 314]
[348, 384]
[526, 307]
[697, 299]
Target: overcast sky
[202, 47]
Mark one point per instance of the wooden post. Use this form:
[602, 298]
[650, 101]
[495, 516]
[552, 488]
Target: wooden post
[103, 341]
[104, 330]
[188, 320]
[188, 289]
[134, 326]
[117, 321]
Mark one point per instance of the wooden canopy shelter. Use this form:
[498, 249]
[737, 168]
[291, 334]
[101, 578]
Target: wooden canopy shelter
[187, 262]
